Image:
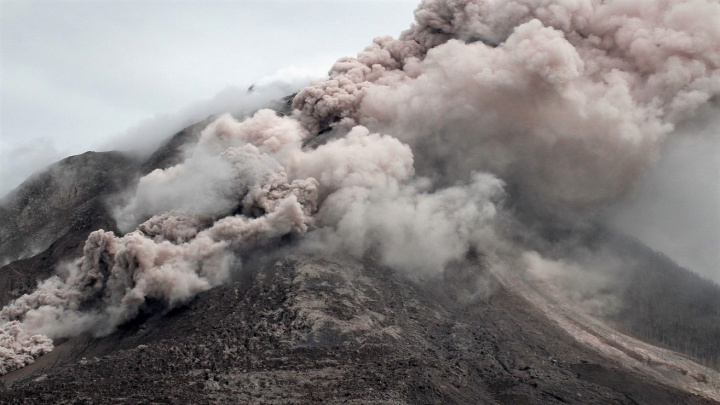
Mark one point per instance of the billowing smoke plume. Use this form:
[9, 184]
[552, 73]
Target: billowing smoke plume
[247, 184]
[568, 101]
[565, 102]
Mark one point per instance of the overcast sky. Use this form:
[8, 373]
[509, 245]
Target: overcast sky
[80, 75]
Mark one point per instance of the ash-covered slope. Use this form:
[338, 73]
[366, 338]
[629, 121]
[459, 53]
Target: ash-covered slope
[45, 206]
[637, 290]
[312, 329]
[48, 217]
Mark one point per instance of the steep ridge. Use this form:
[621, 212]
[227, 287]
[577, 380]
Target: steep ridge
[47, 218]
[170, 153]
[42, 207]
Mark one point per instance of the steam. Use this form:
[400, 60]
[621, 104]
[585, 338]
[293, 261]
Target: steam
[565, 104]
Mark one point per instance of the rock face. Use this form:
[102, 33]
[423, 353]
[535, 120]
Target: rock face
[48, 217]
[300, 329]
[297, 328]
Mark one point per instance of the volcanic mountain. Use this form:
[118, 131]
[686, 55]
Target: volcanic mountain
[427, 225]
[297, 327]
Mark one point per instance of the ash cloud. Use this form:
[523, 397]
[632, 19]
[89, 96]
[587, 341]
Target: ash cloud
[568, 101]
[143, 138]
[559, 107]
[146, 136]
[675, 208]
[246, 184]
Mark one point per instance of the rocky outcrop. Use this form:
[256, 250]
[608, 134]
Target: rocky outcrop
[48, 217]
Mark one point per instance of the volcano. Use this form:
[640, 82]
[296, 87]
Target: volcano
[431, 224]
[299, 328]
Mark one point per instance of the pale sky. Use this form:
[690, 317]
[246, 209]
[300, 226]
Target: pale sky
[94, 75]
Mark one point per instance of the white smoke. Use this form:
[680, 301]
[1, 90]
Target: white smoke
[566, 102]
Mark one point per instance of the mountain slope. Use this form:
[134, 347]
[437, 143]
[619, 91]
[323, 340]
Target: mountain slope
[298, 328]
[47, 218]
[312, 329]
